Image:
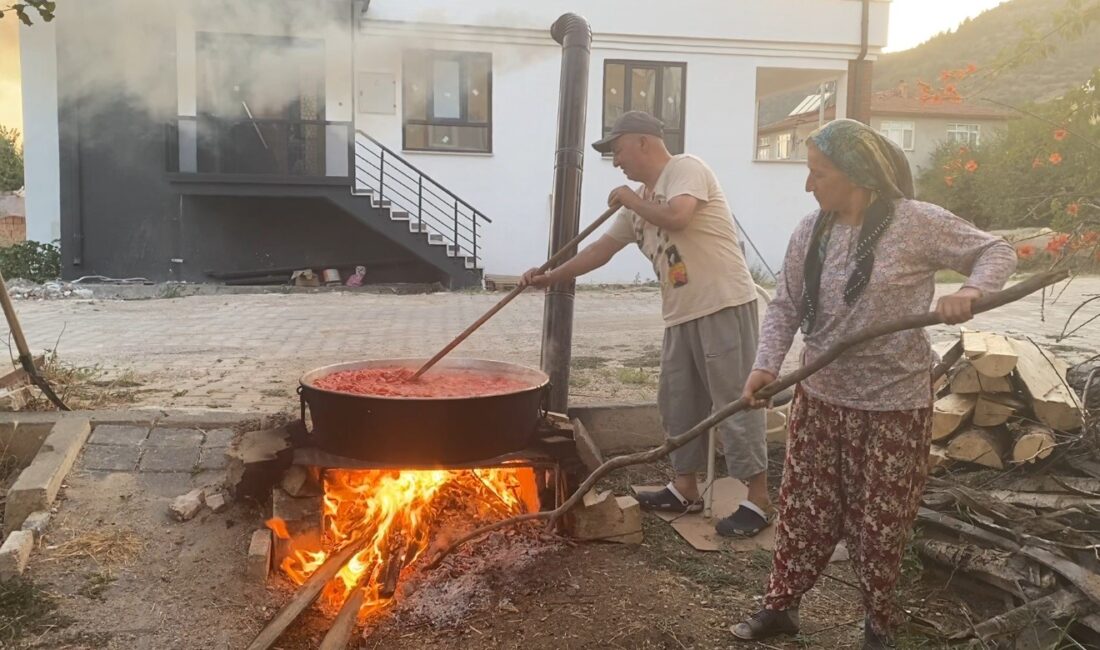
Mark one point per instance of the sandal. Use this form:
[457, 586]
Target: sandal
[746, 521]
[765, 624]
[668, 499]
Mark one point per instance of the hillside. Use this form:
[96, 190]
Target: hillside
[979, 41]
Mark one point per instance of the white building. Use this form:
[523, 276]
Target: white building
[465, 92]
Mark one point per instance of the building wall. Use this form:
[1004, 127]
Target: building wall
[930, 132]
[513, 184]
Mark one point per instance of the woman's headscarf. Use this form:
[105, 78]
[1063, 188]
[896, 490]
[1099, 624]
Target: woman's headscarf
[869, 160]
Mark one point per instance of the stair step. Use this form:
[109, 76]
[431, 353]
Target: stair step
[399, 216]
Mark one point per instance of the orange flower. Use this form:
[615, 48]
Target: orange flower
[964, 151]
[1060, 134]
[946, 75]
[972, 166]
[1073, 209]
[949, 181]
[971, 68]
[1057, 243]
[1055, 158]
[1090, 238]
[1037, 163]
[1025, 251]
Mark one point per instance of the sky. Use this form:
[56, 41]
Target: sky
[911, 23]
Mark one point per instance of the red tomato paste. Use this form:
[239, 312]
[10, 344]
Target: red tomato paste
[397, 382]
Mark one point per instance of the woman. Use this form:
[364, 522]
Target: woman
[860, 428]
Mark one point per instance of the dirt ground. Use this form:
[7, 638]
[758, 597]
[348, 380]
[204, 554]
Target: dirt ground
[115, 573]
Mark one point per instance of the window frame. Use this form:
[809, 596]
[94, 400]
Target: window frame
[905, 125]
[956, 128]
[463, 59]
[659, 66]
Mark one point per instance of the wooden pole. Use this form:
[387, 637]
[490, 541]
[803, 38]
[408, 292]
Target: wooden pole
[343, 625]
[987, 302]
[561, 255]
[25, 358]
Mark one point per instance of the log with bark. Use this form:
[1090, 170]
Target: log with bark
[1034, 442]
[552, 517]
[949, 413]
[1043, 374]
[991, 354]
[1061, 605]
[966, 380]
[986, 447]
[994, 409]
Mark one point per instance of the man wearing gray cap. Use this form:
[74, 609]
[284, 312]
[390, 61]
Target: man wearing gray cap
[680, 220]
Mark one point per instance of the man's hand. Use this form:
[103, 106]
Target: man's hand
[532, 278]
[625, 196]
[757, 380]
[958, 307]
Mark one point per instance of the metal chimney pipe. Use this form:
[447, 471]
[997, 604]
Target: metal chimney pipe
[575, 37]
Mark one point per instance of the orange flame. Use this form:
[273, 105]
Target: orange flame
[396, 510]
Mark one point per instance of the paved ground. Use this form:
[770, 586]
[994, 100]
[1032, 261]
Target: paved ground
[245, 352]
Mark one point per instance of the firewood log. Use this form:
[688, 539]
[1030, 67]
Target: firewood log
[1061, 605]
[966, 380]
[979, 446]
[994, 410]
[1054, 403]
[949, 413]
[1034, 442]
[991, 354]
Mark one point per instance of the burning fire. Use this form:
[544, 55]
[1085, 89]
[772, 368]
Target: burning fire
[396, 511]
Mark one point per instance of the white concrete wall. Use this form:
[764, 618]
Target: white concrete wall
[512, 185]
[41, 164]
[930, 132]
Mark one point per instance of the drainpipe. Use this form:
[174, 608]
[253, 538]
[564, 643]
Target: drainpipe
[575, 37]
[857, 108]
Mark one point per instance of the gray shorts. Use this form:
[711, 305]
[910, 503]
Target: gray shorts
[704, 364]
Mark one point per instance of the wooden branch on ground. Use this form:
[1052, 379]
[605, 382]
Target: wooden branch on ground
[994, 567]
[552, 517]
[1044, 501]
[1089, 487]
[1060, 605]
[306, 594]
[1085, 580]
[343, 625]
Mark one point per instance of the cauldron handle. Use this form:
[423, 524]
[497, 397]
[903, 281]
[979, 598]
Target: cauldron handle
[302, 403]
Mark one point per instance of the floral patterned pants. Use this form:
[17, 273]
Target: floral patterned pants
[854, 475]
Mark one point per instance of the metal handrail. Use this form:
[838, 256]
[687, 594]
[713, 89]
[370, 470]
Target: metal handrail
[425, 175]
[408, 188]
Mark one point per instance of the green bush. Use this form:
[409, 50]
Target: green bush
[32, 261]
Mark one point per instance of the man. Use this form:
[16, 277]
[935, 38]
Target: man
[680, 220]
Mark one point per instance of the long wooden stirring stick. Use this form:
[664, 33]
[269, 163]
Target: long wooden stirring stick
[554, 259]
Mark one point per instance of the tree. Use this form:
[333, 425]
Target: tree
[11, 160]
[45, 9]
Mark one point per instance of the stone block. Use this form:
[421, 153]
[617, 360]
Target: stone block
[169, 459]
[299, 481]
[213, 459]
[259, 555]
[112, 458]
[171, 437]
[217, 501]
[15, 553]
[114, 434]
[38, 484]
[219, 438]
[587, 449]
[186, 506]
[622, 426]
[605, 517]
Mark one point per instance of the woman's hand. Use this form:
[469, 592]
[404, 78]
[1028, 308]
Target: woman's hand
[958, 307]
[757, 380]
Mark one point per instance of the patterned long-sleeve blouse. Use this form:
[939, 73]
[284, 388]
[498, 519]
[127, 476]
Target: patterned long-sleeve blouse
[890, 372]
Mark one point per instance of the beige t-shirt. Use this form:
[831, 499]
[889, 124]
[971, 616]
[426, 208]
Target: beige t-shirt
[701, 268]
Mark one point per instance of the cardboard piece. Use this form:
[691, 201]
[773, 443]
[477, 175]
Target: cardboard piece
[699, 531]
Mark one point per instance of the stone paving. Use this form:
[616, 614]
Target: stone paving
[246, 352]
[115, 448]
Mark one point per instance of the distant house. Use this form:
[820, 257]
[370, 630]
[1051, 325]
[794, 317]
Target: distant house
[197, 140]
[899, 114]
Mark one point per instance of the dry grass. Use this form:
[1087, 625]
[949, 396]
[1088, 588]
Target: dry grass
[107, 548]
[84, 387]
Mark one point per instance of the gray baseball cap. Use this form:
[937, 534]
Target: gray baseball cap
[638, 122]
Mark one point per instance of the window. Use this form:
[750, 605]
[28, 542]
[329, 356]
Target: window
[764, 148]
[900, 132]
[965, 134]
[783, 146]
[447, 99]
[654, 87]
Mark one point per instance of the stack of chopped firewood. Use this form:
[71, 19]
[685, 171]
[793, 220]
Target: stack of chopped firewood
[1012, 511]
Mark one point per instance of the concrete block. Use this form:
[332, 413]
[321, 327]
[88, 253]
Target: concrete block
[213, 459]
[589, 452]
[111, 458]
[36, 523]
[15, 553]
[207, 419]
[259, 555]
[299, 481]
[38, 484]
[622, 426]
[114, 434]
[169, 459]
[217, 501]
[172, 437]
[23, 438]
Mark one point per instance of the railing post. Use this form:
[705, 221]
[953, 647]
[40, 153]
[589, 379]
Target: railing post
[419, 198]
[381, 174]
[475, 238]
[455, 236]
